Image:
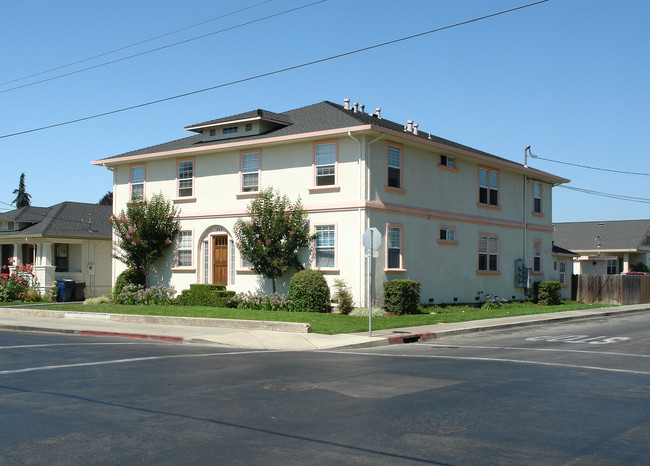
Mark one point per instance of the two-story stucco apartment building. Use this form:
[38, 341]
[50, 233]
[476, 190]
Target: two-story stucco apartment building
[461, 221]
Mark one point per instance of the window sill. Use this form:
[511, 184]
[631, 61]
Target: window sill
[538, 274]
[394, 270]
[179, 200]
[488, 272]
[245, 271]
[183, 269]
[488, 206]
[538, 214]
[390, 189]
[324, 189]
[446, 168]
[247, 195]
[451, 243]
[329, 271]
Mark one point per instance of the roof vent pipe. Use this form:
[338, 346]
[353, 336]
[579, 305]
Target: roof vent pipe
[347, 104]
[356, 107]
[415, 129]
[409, 126]
[378, 112]
[362, 108]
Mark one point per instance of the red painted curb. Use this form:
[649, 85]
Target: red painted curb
[133, 335]
[411, 338]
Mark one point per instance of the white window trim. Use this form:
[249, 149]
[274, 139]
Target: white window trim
[487, 253]
[537, 245]
[191, 196]
[401, 268]
[177, 249]
[398, 189]
[333, 269]
[541, 205]
[253, 193]
[489, 189]
[131, 183]
[329, 187]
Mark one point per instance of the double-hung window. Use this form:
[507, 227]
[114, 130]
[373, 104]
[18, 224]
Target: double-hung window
[325, 246]
[185, 178]
[537, 256]
[488, 187]
[537, 197]
[563, 273]
[447, 161]
[612, 266]
[394, 247]
[184, 249]
[137, 182]
[488, 253]
[61, 257]
[394, 166]
[250, 172]
[325, 163]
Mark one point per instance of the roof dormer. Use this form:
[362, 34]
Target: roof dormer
[241, 125]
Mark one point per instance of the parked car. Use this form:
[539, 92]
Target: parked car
[636, 273]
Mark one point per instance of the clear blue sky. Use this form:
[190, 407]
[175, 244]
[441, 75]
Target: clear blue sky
[569, 78]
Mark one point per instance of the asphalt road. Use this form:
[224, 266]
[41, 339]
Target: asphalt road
[568, 393]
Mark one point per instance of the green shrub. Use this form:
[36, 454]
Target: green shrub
[209, 294]
[97, 300]
[128, 277]
[308, 291]
[402, 296]
[342, 296]
[137, 294]
[548, 293]
[263, 301]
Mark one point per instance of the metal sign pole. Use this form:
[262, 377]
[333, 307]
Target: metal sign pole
[370, 287]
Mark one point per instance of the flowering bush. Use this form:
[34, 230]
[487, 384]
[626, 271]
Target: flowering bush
[137, 294]
[14, 284]
[263, 301]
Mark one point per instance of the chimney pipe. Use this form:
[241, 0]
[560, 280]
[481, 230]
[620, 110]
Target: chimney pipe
[378, 112]
[415, 129]
[347, 104]
[362, 108]
[356, 107]
[409, 126]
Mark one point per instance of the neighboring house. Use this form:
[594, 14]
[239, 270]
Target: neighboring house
[463, 222]
[563, 266]
[68, 240]
[610, 247]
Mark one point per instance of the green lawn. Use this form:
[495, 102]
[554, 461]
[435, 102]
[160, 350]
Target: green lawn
[333, 323]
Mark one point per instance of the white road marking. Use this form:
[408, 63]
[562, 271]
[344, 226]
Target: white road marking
[470, 358]
[433, 345]
[130, 360]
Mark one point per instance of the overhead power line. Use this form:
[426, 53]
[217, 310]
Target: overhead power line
[588, 167]
[131, 45]
[282, 70]
[620, 197]
[203, 36]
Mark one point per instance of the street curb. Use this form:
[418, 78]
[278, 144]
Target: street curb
[411, 338]
[272, 326]
[69, 331]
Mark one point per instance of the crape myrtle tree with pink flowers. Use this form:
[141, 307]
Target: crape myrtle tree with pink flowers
[273, 235]
[144, 232]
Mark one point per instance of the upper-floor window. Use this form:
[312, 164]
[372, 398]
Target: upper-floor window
[394, 247]
[249, 126]
[537, 255]
[325, 246]
[230, 130]
[447, 161]
[394, 166]
[488, 182]
[184, 249]
[137, 181]
[185, 178]
[488, 253]
[250, 171]
[537, 197]
[447, 234]
[213, 132]
[325, 163]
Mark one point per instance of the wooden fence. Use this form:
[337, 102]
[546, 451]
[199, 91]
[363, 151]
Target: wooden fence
[612, 289]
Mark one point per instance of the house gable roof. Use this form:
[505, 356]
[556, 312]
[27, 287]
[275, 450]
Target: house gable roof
[67, 219]
[605, 235]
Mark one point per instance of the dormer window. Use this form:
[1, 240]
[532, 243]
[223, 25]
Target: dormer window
[230, 130]
[249, 126]
[11, 226]
[213, 132]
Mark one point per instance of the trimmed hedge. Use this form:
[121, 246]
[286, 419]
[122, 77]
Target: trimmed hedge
[548, 293]
[402, 296]
[308, 292]
[214, 295]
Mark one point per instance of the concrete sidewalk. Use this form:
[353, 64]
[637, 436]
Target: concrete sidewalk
[264, 335]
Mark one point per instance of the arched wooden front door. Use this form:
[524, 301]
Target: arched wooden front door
[220, 260]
